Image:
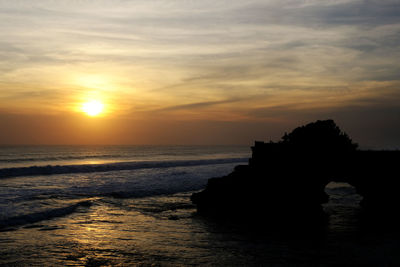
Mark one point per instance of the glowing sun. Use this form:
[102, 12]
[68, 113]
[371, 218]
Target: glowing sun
[93, 107]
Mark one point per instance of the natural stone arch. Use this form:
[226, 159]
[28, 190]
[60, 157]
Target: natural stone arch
[288, 178]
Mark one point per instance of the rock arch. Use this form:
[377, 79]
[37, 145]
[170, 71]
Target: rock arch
[287, 179]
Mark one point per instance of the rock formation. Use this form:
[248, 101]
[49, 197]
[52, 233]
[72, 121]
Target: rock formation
[285, 180]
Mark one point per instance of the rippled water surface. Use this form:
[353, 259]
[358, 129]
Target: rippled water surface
[165, 230]
[143, 216]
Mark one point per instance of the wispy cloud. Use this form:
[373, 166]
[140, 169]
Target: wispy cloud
[240, 60]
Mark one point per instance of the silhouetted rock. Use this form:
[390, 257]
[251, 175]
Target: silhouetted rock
[323, 136]
[284, 181]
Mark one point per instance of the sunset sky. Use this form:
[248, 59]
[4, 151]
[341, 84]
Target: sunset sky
[197, 72]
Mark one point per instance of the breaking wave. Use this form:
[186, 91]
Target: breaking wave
[88, 168]
[43, 215]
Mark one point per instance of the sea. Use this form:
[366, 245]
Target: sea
[130, 206]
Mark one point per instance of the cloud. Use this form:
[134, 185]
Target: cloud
[198, 105]
[207, 60]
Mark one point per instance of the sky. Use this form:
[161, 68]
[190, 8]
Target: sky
[198, 72]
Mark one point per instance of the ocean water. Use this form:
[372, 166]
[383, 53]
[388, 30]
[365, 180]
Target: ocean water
[130, 206]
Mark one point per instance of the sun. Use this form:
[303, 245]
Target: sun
[92, 107]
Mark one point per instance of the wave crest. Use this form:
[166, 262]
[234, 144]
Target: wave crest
[43, 215]
[88, 168]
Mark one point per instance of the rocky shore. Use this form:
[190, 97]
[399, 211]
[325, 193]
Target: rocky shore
[284, 181]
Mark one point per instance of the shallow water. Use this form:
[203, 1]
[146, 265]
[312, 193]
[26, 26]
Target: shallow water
[166, 231]
[145, 217]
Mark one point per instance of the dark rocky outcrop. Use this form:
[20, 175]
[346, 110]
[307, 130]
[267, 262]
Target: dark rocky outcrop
[284, 181]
